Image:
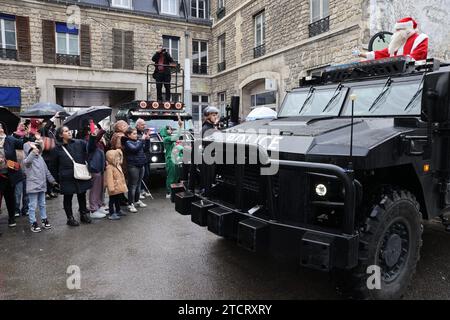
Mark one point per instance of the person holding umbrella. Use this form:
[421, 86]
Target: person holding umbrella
[96, 164]
[67, 152]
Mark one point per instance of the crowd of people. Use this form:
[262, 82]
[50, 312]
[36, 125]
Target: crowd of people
[43, 158]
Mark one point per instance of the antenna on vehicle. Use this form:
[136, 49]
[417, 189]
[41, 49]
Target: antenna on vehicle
[353, 97]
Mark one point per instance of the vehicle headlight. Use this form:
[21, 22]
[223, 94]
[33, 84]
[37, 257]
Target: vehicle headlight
[321, 190]
[155, 147]
[154, 159]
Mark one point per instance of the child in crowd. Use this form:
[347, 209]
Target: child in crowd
[115, 182]
[37, 175]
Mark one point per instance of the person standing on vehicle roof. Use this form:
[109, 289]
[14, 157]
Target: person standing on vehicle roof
[163, 65]
[406, 41]
[211, 120]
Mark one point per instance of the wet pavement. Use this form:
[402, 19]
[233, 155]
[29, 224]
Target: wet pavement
[159, 254]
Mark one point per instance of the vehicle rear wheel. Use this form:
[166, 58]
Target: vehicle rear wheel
[390, 239]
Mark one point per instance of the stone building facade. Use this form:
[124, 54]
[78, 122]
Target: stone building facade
[93, 77]
[255, 49]
[292, 51]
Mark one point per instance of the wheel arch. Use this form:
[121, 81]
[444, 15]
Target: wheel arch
[403, 176]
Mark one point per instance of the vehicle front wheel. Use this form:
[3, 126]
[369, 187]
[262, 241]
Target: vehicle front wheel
[389, 247]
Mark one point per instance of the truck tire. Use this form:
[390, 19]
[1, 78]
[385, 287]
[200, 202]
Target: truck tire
[390, 238]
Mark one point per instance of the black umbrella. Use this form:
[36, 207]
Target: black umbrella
[75, 121]
[9, 120]
[44, 110]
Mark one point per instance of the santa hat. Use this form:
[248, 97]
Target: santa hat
[406, 23]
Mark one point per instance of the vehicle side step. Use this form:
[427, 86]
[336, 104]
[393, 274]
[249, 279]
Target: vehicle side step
[183, 201]
[316, 251]
[176, 188]
[199, 212]
[220, 221]
[253, 235]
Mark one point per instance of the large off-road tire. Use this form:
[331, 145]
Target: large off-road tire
[390, 238]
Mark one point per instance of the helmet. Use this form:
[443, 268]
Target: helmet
[209, 110]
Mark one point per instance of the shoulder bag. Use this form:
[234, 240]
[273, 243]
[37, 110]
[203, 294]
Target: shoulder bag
[80, 171]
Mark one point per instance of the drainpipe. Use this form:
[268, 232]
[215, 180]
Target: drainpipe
[187, 75]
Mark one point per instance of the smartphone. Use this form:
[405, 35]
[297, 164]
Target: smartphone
[92, 125]
[34, 127]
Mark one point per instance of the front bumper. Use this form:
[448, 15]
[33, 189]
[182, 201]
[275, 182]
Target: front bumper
[313, 247]
[157, 167]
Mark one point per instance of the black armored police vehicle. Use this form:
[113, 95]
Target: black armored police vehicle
[357, 158]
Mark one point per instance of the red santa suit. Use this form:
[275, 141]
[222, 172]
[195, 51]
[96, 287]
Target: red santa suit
[416, 46]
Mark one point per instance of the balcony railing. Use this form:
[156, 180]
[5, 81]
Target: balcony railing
[220, 13]
[319, 27]
[221, 66]
[68, 59]
[259, 51]
[9, 54]
[200, 68]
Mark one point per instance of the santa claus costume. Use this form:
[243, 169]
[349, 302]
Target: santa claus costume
[406, 41]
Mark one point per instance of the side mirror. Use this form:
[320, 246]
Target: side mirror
[435, 98]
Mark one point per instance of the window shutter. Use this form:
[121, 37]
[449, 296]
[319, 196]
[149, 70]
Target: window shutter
[23, 38]
[48, 41]
[128, 60]
[117, 49]
[85, 46]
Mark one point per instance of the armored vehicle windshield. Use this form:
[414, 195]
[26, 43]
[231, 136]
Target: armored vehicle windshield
[384, 97]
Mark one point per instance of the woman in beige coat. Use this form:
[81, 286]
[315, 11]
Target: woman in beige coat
[115, 182]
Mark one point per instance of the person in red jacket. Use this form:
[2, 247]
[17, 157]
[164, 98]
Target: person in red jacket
[406, 41]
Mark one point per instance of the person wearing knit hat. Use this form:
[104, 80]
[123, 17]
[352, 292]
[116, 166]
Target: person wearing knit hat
[406, 41]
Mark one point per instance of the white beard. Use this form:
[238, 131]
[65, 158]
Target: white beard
[399, 40]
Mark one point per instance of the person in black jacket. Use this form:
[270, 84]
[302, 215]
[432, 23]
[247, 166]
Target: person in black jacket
[162, 60]
[136, 159]
[141, 128]
[211, 115]
[10, 174]
[79, 150]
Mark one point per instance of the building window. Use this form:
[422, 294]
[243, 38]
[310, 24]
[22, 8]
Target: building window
[172, 44]
[319, 10]
[123, 49]
[199, 57]
[220, 9]
[198, 9]
[221, 45]
[8, 48]
[222, 97]
[268, 99]
[199, 104]
[124, 4]
[169, 7]
[67, 45]
[260, 35]
[320, 17]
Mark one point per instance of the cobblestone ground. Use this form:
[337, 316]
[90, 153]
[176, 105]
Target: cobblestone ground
[158, 254]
